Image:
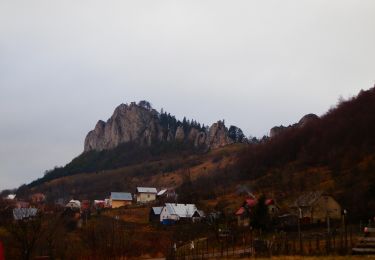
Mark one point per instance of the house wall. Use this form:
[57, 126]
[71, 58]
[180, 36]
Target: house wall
[146, 197]
[153, 218]
[326, 205]
[120, 203]
[165, 215]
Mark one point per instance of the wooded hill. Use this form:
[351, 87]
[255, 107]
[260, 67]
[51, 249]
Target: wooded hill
[335, 153]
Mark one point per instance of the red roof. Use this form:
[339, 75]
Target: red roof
[240, 211]
[251, 202]
[1, 251]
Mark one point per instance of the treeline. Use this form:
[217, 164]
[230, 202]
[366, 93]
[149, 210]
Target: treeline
[170, 122]
[343, 141]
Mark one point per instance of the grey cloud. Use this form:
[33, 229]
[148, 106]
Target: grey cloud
[256, 64]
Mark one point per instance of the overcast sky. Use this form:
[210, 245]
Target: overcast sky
[66, 64]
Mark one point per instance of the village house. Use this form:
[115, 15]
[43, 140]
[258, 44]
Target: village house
[173, 212]
[146, 194]
[316, 207]
[74, 205]
[120, 199]
[244, 212]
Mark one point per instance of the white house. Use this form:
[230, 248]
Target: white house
[173, 212]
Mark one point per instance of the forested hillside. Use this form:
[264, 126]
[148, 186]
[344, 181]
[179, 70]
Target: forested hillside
[335, 153]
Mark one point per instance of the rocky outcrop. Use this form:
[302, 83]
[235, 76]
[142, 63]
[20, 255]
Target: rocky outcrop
[200, 139]
[180, 134]
[129, 123]
[277, 130]
[145, 126]
[218, 136]
[305, 120]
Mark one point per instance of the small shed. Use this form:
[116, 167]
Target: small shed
[120, 199]
[155, 214]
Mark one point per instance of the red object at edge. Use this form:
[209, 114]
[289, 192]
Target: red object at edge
[1, 251]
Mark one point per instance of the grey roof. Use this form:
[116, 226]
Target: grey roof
[181, 210]
[308, 199]
[201, 213]
[146, 190]
[73, 204]
[161, 192]
[22, 213]
[121, 196]
[157, 210]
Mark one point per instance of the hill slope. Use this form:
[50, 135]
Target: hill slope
[335, 153]
[137, 133]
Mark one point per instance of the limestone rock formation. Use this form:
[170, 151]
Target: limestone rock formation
[200, 139]
[129, 123]
[307, 119]
[276, 130]
[143, 125]
[180, 134]
[218, 136]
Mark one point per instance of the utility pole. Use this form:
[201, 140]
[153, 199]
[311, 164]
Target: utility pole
[346, 229]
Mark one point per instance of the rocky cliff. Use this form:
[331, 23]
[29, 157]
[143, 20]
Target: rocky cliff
[144, 126]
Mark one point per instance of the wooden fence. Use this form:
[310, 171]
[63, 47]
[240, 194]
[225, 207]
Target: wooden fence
[250, 244]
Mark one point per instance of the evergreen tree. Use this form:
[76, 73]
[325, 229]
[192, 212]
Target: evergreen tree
[260, 218]
[236, 134]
